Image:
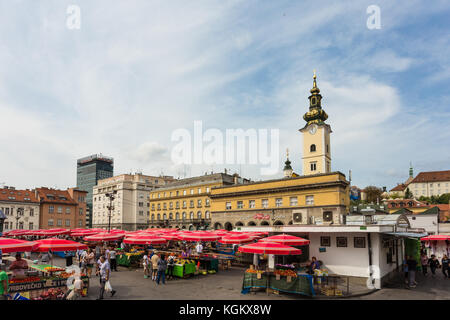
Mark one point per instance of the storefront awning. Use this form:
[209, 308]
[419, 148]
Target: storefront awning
[413, 235]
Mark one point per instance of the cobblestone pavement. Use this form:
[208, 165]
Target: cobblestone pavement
[226, 285]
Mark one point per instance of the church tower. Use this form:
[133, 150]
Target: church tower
[316, 136]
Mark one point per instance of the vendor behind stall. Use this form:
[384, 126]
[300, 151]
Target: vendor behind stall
[19, 267]
[314, 265]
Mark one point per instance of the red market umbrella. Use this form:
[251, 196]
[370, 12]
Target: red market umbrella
[144, 239]
[84, 233]
[14, 245]
[52, 232]
[436, 237]
[199, 236]
[169, 237]
[56, 245]
[236, 239]
[286, 239]
[105, 236]
[269, 248]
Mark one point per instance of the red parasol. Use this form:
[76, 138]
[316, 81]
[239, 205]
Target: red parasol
[144, 239]
[198, 236]
[236, 239]
[269, 248]
[52, 232]
[84, 233]
[14, 245]
[56, 244]
[286, 239]
[436, 237]
[105, 236]
[169, 237]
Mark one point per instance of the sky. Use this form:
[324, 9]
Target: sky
[136, 71]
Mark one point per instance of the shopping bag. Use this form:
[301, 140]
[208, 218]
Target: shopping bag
[108, 286]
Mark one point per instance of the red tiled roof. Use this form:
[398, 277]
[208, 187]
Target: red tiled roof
[399, 187]
[17, 195]
[397, 203]
[432, 176]
[444, 211]
[55, 196]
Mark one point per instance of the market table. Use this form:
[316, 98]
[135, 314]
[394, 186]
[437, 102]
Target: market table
[302, 284]
[182, 270]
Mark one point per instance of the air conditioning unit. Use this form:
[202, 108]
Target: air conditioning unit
[300, 217]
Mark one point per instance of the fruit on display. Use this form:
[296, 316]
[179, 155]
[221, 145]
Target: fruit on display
[286, 273]
[51, 294]
[212, 271]
[253, 271]
[184, 261]
[53, 269]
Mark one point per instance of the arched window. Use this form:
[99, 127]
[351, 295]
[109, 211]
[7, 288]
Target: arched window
[171, 216]
[312, 148]
[159, 216]
[177, 216]
[199, 215]
[165, 216]
[264, 223]
[191, 215]
[278, 223]
[251, 223]
[153, 217]
[184, 215]
[239, 224]
[207, 215]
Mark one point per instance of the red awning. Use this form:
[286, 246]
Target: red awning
[56, 244]
[236, 239]
[144, 239]
[198, 236]
[52, 232]
[286, 239]
[436, 237]
[14, 245]
[105, 236]
[269, 248]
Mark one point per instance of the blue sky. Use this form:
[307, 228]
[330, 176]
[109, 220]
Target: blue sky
[138, 70]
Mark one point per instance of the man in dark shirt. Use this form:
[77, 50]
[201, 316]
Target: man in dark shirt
[412, 267]
[434, 264]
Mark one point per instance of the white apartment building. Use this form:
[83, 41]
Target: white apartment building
[433, 183]
[131, 207]
[21, 209]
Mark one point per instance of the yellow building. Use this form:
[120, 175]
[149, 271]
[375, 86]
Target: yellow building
[186, 203]
[313, 199]
[319, 196]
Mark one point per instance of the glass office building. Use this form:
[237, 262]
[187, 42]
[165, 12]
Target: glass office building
[89, 170]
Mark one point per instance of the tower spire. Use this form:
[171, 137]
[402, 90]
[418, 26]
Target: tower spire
[315, 114]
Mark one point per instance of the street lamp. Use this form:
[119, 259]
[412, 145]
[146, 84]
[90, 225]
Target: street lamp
[2, 220]
[111, 197]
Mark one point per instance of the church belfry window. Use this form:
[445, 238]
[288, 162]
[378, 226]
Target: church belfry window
[312, 148]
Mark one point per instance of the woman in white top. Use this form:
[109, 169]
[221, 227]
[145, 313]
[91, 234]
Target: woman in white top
[146, 264]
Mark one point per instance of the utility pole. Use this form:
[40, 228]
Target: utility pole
[111, 197]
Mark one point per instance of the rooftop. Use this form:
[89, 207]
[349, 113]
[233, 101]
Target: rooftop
[14, 195]
[432, 176]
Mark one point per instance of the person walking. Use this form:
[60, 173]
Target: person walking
[170, 266]
[424, 262]
[162, 267]
[154, 259]
[412, 267]
[90, 262]
[146, 263]
[105, 272]
[97, 252]
[405, 269]
[434, 264]
[445, 268]
[112, 259]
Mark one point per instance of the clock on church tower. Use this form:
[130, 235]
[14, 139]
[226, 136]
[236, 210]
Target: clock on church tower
[316, 136]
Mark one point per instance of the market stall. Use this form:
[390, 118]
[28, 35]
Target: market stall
[437, 244]
[282, 278]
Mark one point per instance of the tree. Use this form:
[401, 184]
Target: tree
[373, 193]
[408, 194]
[444, 198]
[394, 196]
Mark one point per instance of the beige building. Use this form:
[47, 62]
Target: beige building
[432, 183]
[186, 203]
[131, 207]
[21, 208]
